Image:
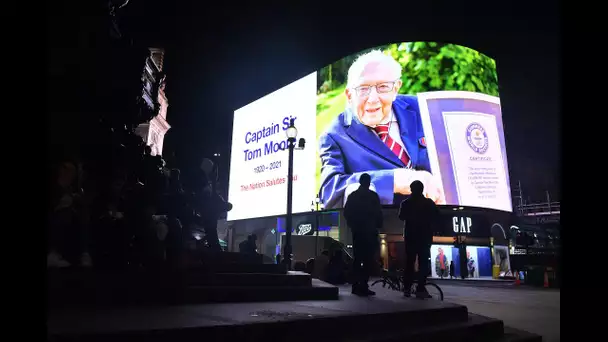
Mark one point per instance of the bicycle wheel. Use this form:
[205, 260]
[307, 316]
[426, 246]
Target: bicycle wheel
[434, 290]
[383, 281]
[393, 285]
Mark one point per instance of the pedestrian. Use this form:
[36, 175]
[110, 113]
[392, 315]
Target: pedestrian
[363, 213]
[451, 269]
[320, 266]
[248, 246]
[420, 215]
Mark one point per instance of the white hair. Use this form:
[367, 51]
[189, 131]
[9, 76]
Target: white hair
[374, 56]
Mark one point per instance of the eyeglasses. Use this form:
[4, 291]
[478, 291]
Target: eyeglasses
[381, 88]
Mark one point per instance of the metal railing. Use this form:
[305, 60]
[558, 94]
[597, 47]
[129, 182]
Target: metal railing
[534, 209]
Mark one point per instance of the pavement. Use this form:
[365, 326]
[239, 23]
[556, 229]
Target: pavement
[535, 310]
[505, 284]
[79, 321]
[474, 282]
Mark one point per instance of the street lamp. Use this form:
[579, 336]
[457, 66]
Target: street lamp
[315, 206]
[292, 134]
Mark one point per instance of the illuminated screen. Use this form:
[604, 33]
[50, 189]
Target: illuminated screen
[399, 112]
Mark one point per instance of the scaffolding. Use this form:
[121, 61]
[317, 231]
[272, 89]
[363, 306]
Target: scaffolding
[523, 208]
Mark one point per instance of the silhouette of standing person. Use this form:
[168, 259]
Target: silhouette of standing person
[212, 204]
[419, 215]
[363, 213]
[451, 269]
[249, 246]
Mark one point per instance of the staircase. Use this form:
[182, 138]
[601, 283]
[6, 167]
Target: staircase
[349, 319]
[233, 298]
[221, 277]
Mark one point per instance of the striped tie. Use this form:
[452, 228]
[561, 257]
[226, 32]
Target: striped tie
[382, 131]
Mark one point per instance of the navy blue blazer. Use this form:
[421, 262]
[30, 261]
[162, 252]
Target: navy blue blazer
[348, 149]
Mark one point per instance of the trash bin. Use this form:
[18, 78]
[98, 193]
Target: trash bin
[552, 277]
[535, 276]
[495, 271]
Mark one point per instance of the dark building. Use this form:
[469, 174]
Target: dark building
[153, 93]
[96, 81]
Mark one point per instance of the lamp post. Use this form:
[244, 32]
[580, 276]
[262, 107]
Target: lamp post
[292, 134]
[315, 206]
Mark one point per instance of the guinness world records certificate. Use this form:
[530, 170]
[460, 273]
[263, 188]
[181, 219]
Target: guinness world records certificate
[466, 147]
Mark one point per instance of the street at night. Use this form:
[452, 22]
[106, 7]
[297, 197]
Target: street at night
[246, 173]
[531, 309]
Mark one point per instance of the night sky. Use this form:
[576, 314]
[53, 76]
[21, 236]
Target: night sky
[218, 60]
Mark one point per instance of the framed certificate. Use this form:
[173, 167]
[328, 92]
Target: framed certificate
[466, 147]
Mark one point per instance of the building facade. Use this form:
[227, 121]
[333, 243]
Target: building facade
[484, 235]
[535, 246]
[153, 93]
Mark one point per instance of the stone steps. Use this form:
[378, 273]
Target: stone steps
[199, 277]
[155, 296]
[348, 319]
[475, 329]
[291, 278]
[103, 289]
[240, 268]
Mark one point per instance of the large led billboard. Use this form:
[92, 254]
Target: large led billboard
[399, 112]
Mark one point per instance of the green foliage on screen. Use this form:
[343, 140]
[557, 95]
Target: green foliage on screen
[426, 67]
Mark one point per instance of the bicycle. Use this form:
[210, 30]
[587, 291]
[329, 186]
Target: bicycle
[395, 282]
[390, 279]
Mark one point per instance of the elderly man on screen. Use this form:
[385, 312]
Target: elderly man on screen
[380, 133]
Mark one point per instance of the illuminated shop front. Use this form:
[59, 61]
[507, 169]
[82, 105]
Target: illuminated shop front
[485, 242]
[473, 228]
[269, 232]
